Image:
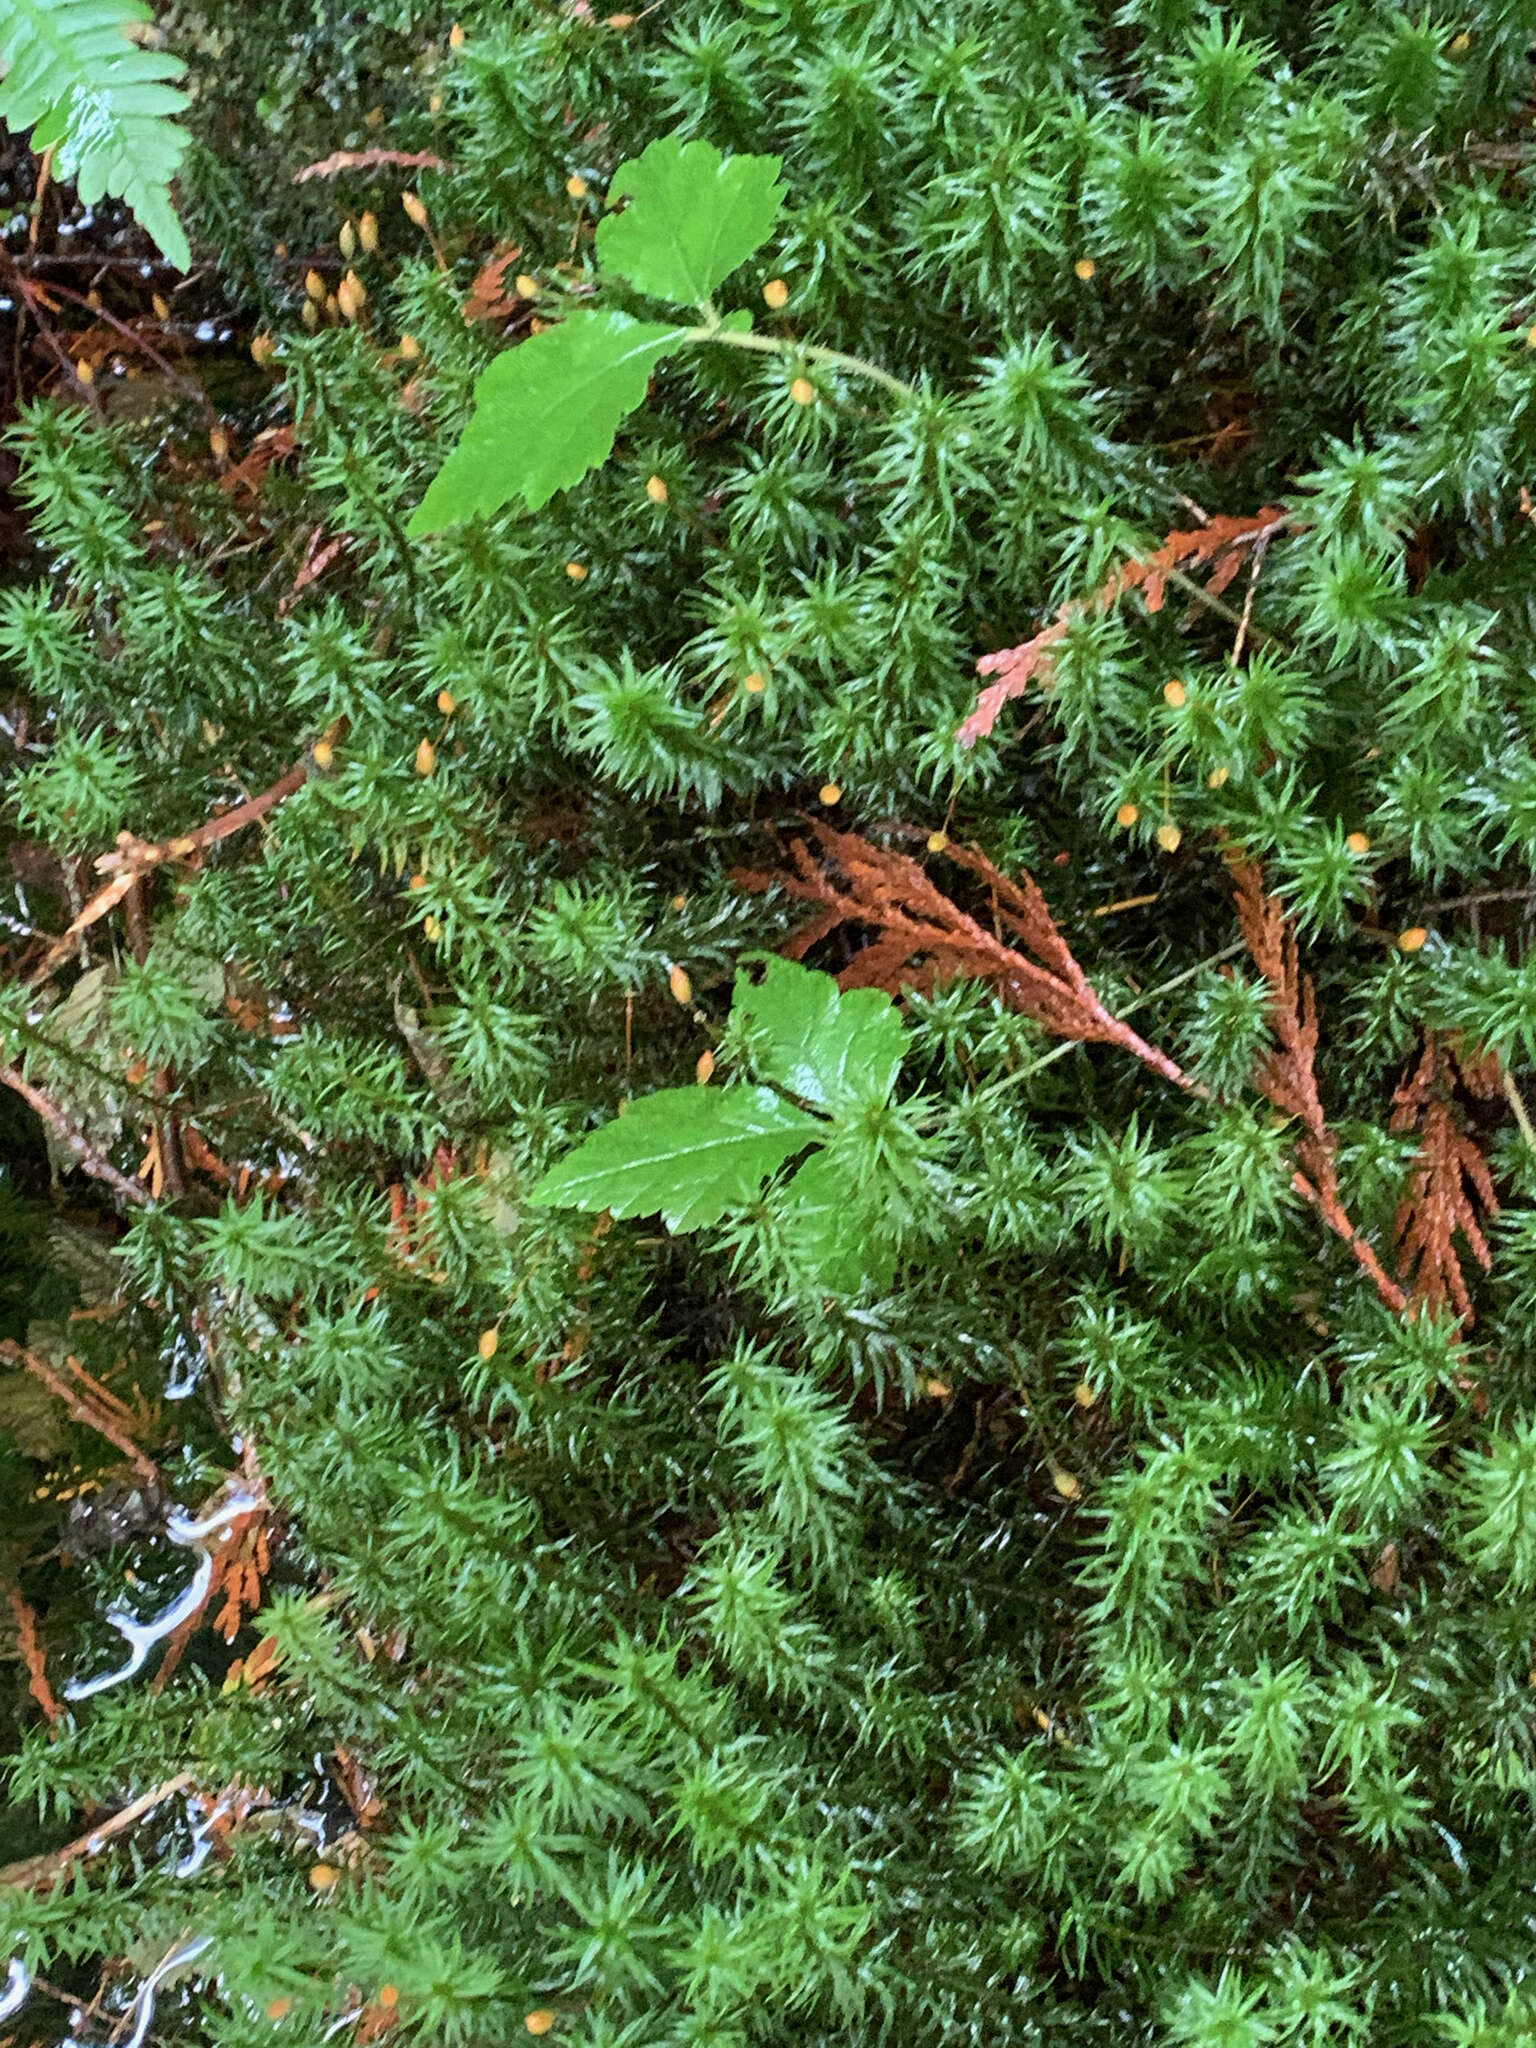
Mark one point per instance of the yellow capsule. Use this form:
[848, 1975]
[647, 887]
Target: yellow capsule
[280, 251]
[1218, 778]
[937, 841]
[389, 1996]
[410, 348]
[1084, 268]
[622, 20]
[541, 2021]
[352, 295]
[415, 207]
[576, 186]
[937, 1390]
[656, 490]
[1357, 842]
[1085, 1394]
[1126, 816]
[1067, 1484]
[162, 306]
[1459, 45]
[263, 349]
[775, 293]
[433, 928]
[323, 1876]
[333, 308]
[704, 1066]
[456, 37]
[489, 1339]
[680, 985]
[1413, 939]
[803, 391]
[417, 882]
[315, 285]
[435, 104]
[577, 571]
[346, 241]
[84, 372]
[279, 2008]
[1169, 837]
[679, 902]
[447, 703]
[374, 118]
[310, 315]
[368, 233]
[1175, 694]
[831, 793]
[426, 758]
[218, 444]
[323, 753]
[754, 684]
[527, 287]
[1530, 339]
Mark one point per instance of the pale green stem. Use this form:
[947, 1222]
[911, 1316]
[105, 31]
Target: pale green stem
[771, 345]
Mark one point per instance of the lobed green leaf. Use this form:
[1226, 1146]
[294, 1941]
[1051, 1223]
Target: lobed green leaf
[693, 217]
[689, 1153]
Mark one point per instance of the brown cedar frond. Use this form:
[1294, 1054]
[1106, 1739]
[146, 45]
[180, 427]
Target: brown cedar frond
[1449, 1173]
[922, 937]
[1225, 542]
[1287, 1073]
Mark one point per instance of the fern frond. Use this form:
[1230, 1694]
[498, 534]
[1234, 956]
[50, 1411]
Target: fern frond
[104, 102]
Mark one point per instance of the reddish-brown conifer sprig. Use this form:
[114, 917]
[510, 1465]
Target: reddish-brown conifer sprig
[1225, 543]
[923, 937]
[1287, 1073]
[1450, 1179]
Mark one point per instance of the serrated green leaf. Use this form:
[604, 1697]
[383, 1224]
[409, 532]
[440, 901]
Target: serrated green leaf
[545, 413]
[104, 103]
[829, 1231]
[691, 1153]
[693, 216]
[833, 1050]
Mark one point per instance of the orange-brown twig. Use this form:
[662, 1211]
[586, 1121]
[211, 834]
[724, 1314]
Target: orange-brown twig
[369, 160]
[25, 1617]
[87, 1402]
[923, 937]
[1225, 542]
[1287, 1074]
[134, 858]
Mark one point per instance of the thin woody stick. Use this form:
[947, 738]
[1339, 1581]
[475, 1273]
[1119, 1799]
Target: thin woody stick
[72, 1137]
[135, 858]
[35, 1870]
[81, 1406]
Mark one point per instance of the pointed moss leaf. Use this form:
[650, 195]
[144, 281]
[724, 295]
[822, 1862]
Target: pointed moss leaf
[691, 1153]
[834, 1051]
[828, 1230]
[693, 216]
[545, 413]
